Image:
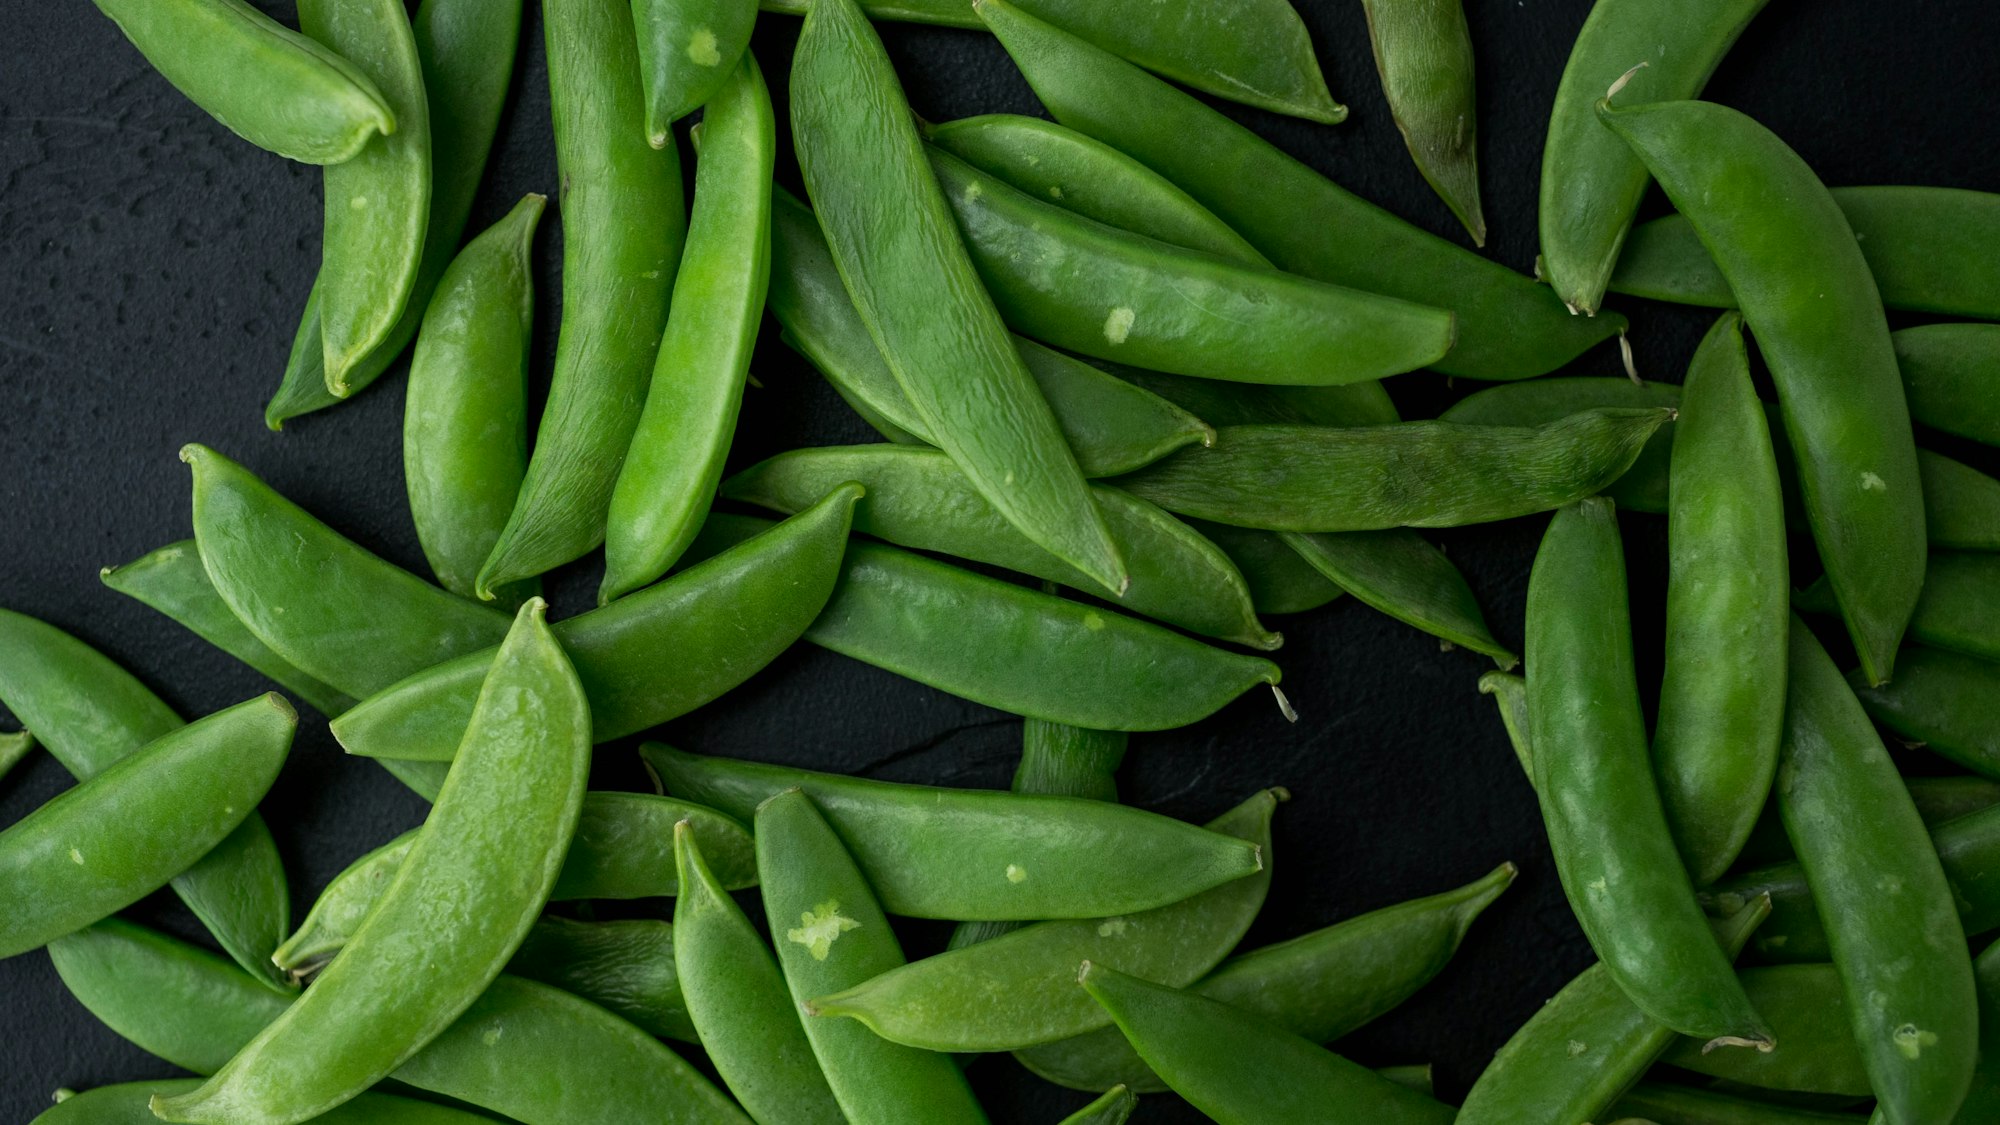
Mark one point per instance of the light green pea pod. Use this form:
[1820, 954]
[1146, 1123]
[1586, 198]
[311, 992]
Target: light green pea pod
[737, 998]
[1510, 693]
[1423, 52]
[687, 51]
[13, 748]
[684, 434]
[626, 967]
[830, 934]
[1278, 578]
[1401, 574]
[1815, 1052]
[1679, 1105]
[1113, 1107]
[1951, 374]
[128, 1104]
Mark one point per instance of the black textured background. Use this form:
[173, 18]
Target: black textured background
[152, 266]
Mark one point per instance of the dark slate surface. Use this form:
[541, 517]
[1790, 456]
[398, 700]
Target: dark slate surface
[152, 265]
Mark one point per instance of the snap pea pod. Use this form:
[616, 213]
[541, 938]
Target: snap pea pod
[1403, 575]
[275, 88]
[127, 1104]
[1101, 291]
[1279, 580]
[1240, 404]
[1679, 1105]
[1958, 610]
[1938, 800]
[1011, 648]
[1242, 1070]
[1951, 374]
[684, 433]
[1319, 985]
[1411, 474]
[625, 967]
[13, 748]
[687, 52]
[647, 658]
[1509, 327]
[1815, 1052]
[976, 853]
[830, 934]
[90, 713]
[1019, 989]
[1945, 700]
[617, 275]
[1983, 1102]
[915, 288]
[1112, 426]
[1113, 1107]
[1921, 243]
[918, 498]
[1423, 52]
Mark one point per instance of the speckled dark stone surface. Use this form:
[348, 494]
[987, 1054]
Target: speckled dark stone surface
[152, 266]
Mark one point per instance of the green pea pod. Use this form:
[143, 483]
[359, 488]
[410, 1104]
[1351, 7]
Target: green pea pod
[1423, 52]
[1242, 1070]
[1815, 1052]
[618, 271]
[737, 997]
[830, 934]
[1946, 701]
[1509, 327]
[1279, 580]
[13, 748]
[1321, 985]
[1019, 989]
[1591, 182]
[1983, 1103]
[1113, 1107]
[89, 713]
[684, 434]
[644, 659]
[916, 290]
[465, 413]
[1582, 1048]
[1404, 576]
[1510, 693]
[1247, 404]
[626, 967]
[1961, 504]
[1410, 474]
[687, 51]
[127, 1104]
[1938, 800]
[1957, 610]
[1101, 291]
[1679, 1105]
[270, 85]
[1951, 373]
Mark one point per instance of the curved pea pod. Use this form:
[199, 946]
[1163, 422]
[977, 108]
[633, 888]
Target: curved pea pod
[1951, 375]
[1958, 610]
[647, 658]
[1101, 291]
[1945, 700]
[686, 54]
[1679, 1105]
[14, 747]
[1019, 989]
[1939, 800]
[1815, 1052]
[1510, 694]
[1279, 580]
[1411, 474]
[1114, 1107]
[918, 498]
[127, 1104]
[1509, 327]
[1404, 576]
[626, 967]
[1423, 52]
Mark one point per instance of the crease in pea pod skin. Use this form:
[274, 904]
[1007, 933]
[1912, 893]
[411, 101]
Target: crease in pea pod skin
[1240, 1069]
[1959, 609]
[1680, 1105]
[1405, 576]
[1423, 52]
[687, 51]
[1112, 427]
[1279, 580]
[128, 1104]
[1944, 700]
[1019, 989]
[647, 658]
[830, 934]
[1509, 326]
[89, 714]
[625, 967]
[1015, 649]
[1816, 1052]
[918, 498]
[973, 854]
[1410, 474]
[617, 277]
[1113, 1107]
[1320, 985]
[677, 451]
[1951, 375]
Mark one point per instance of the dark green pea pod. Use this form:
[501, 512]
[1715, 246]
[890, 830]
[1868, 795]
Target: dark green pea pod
[1815, 1052]
[1983, 1103]
[1946, 701]
[1959, 609]
[626, 967]
[1403, 575]
[647, 658]
[1245, 404]
[617, 275]
[1509, 327]
[1278, 579]
[127, 1104]
[979, 854]
[1679, 1105]
[1423, 52]
[1939, 800]
[918, 498]
[14, 747]
[1101, 291]
[1922, 244]
[1411, 474]
[1113, 1107]
[1320, 985]
[686, 54]
[1019, 989]
[1951, 373]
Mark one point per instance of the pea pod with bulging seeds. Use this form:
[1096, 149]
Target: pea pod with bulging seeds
[1278, 579]
[1403, 575]
[1662, 1104]
[1114, 1107]
[128, 1104]
[687, 52]
[1959, 609]
[1423, 52]
[1945, 700]
[625, 967]
[1815, 1052]
[1951, 375]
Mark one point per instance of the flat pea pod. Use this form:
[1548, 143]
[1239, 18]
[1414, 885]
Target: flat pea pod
[1583, 1048]
[275, 88]
[1409, 474]
[1921, 243]
[1815, 1051]
[14, 747]
[1946, 701]
[122, 833]
[1095, 289]
[617, 276]
[1113, 1107]
[917, 292]
[1321, 985]
[1423, 51]
[737, 998]
[1594, 778]
[830, 934]
[976, 853]
[1509, 327]
[625, 967]
[1401, 574]
[647, 658]
[1032, 654]
[684, 433]
[1279, 580]
[1242, 1070]
[918, 498]
[465, 412]
[687, 52]
[1807, 294]
[127, 1104]
[1888, 908]
[1951, 374]
[1957, 610]
[1679, 1105]
[1019, 989]
[1238, 404]
[1591, 181]
[460, 904]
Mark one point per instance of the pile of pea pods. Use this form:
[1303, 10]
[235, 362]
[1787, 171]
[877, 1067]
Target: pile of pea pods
[1133, 356]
